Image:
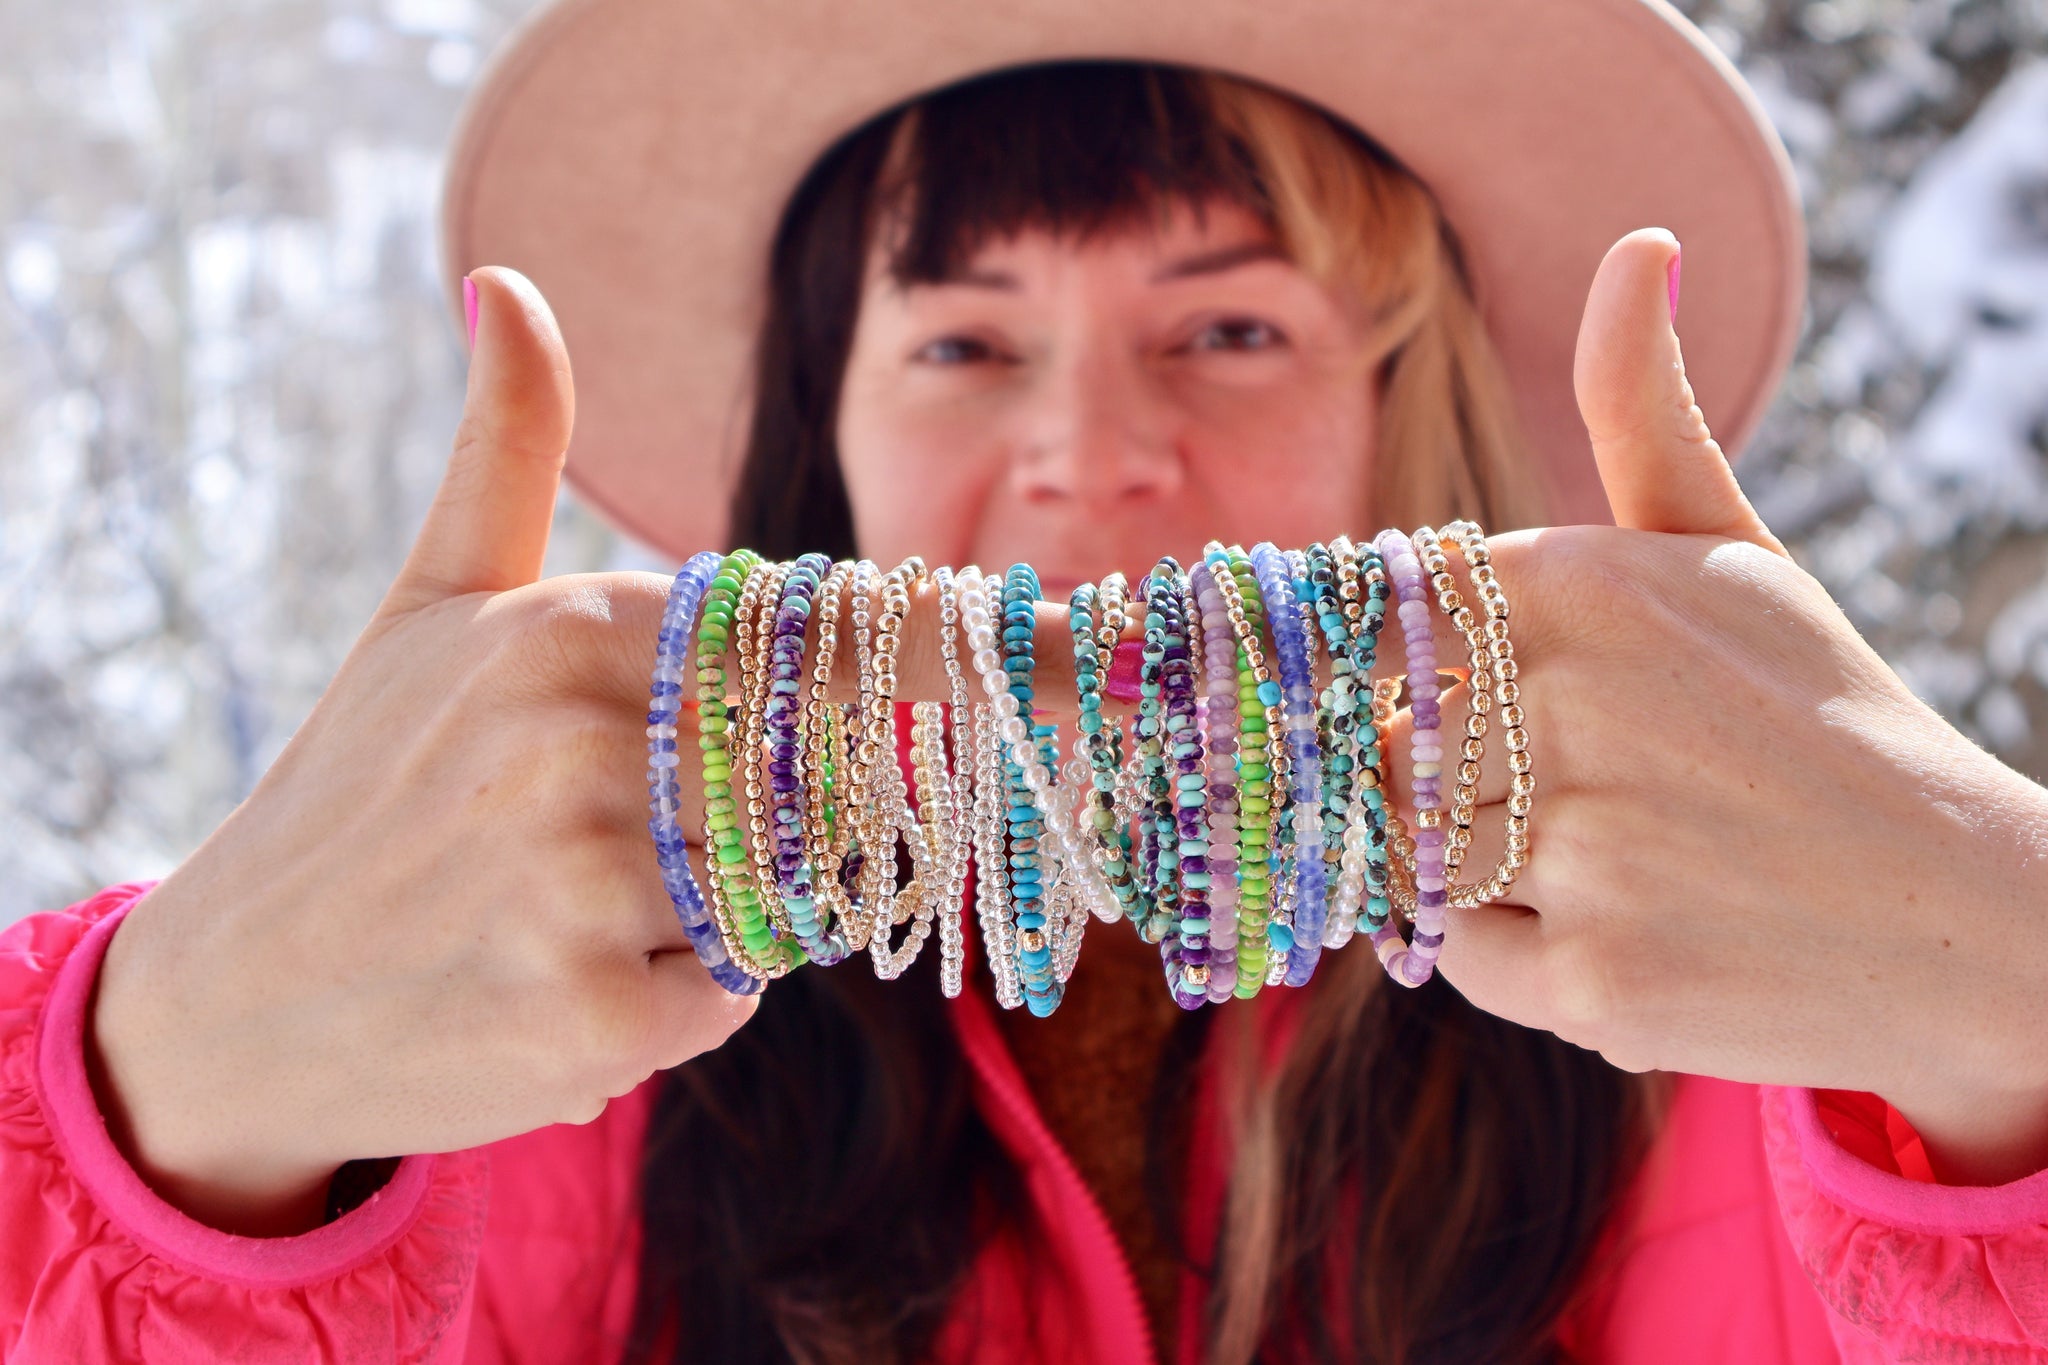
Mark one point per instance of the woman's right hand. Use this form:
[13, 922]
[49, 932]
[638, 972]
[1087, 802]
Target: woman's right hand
[438, 919]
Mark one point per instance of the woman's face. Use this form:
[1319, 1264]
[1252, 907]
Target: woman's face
[1088, 408]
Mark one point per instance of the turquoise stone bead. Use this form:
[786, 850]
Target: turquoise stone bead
[1279, 937]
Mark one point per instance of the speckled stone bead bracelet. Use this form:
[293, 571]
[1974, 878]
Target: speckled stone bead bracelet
[1100, 740]
[1184, 818]
[1219, 691]
[1362, 888]
[824, 942]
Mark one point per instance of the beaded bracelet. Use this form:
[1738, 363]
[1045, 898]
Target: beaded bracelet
[1041, 930]
[1183, 824]
[992, 896]
[1464, 796]
[1262, 941]
[1299, 737]
[736, 899]
[672, 660]
[828, 833]
[957, 776]
[1099, 740]
[822, 941]
[1219, 673]
[1413, 962]
[1357, 790]
[1240, 858]
[1471, 543]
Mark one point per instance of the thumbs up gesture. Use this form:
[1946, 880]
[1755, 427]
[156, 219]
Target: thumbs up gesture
[1755, 854]
[438, 920]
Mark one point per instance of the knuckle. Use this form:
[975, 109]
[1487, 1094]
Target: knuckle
[621, 1039]
[1580, 985]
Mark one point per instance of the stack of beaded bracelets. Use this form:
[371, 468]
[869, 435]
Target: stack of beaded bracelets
[1240, 821]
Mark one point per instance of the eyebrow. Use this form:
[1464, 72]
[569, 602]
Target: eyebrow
[1207, 263]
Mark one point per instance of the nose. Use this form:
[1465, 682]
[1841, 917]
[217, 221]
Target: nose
[1096, 435]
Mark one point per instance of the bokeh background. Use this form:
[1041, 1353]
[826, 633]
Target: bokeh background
[228, 385]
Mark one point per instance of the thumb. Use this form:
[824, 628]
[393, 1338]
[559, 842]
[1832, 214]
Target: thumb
[487, 529]
[1662, 469]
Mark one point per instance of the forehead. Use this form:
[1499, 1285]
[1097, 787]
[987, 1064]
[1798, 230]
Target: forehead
[1205, 237]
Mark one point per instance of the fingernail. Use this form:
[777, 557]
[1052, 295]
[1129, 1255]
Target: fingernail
[1671, 278]
[469, 307]
[1122, 682]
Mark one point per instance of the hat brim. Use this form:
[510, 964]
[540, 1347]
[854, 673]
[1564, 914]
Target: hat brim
[633, 158]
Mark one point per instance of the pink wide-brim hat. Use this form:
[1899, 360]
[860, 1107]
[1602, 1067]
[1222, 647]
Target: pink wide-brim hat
[633, 158]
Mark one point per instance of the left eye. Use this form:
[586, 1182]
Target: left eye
[1237, 334]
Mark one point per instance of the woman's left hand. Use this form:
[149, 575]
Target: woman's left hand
[1754, 853]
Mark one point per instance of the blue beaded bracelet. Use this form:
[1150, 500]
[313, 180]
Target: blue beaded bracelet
[672, 665]
[1297, 691]
[1030, 904]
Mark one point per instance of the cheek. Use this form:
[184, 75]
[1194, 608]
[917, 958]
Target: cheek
[916, 486]
[1297, 462]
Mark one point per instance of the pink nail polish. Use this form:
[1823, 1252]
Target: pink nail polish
[1122, 682]
[469, 307]
[1671, 278]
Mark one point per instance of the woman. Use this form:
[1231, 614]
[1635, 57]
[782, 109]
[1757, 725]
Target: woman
[977, 357]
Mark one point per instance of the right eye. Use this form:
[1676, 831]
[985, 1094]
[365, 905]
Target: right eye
[954, 350]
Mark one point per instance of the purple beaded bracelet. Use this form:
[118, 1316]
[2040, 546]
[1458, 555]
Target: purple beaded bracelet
[1219, 694]
[823, 942]
[1413, 962]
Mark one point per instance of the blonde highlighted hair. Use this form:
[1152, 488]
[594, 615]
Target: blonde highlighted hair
[1368, 230]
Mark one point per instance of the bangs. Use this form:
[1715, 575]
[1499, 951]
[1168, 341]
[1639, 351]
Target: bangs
[1073, 147]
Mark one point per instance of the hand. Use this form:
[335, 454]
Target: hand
[438, 920]
[1755, 853]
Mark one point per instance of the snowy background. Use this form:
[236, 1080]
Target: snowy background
[227, 384]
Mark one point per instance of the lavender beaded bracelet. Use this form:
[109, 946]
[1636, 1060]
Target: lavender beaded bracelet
[1414, 962]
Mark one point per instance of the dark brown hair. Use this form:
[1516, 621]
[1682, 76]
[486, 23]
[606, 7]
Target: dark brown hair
[1422, 1181]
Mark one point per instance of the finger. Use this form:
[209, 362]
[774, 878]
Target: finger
[1493, 953]
[487, 529]
[692, 1013]
[1661, 467]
